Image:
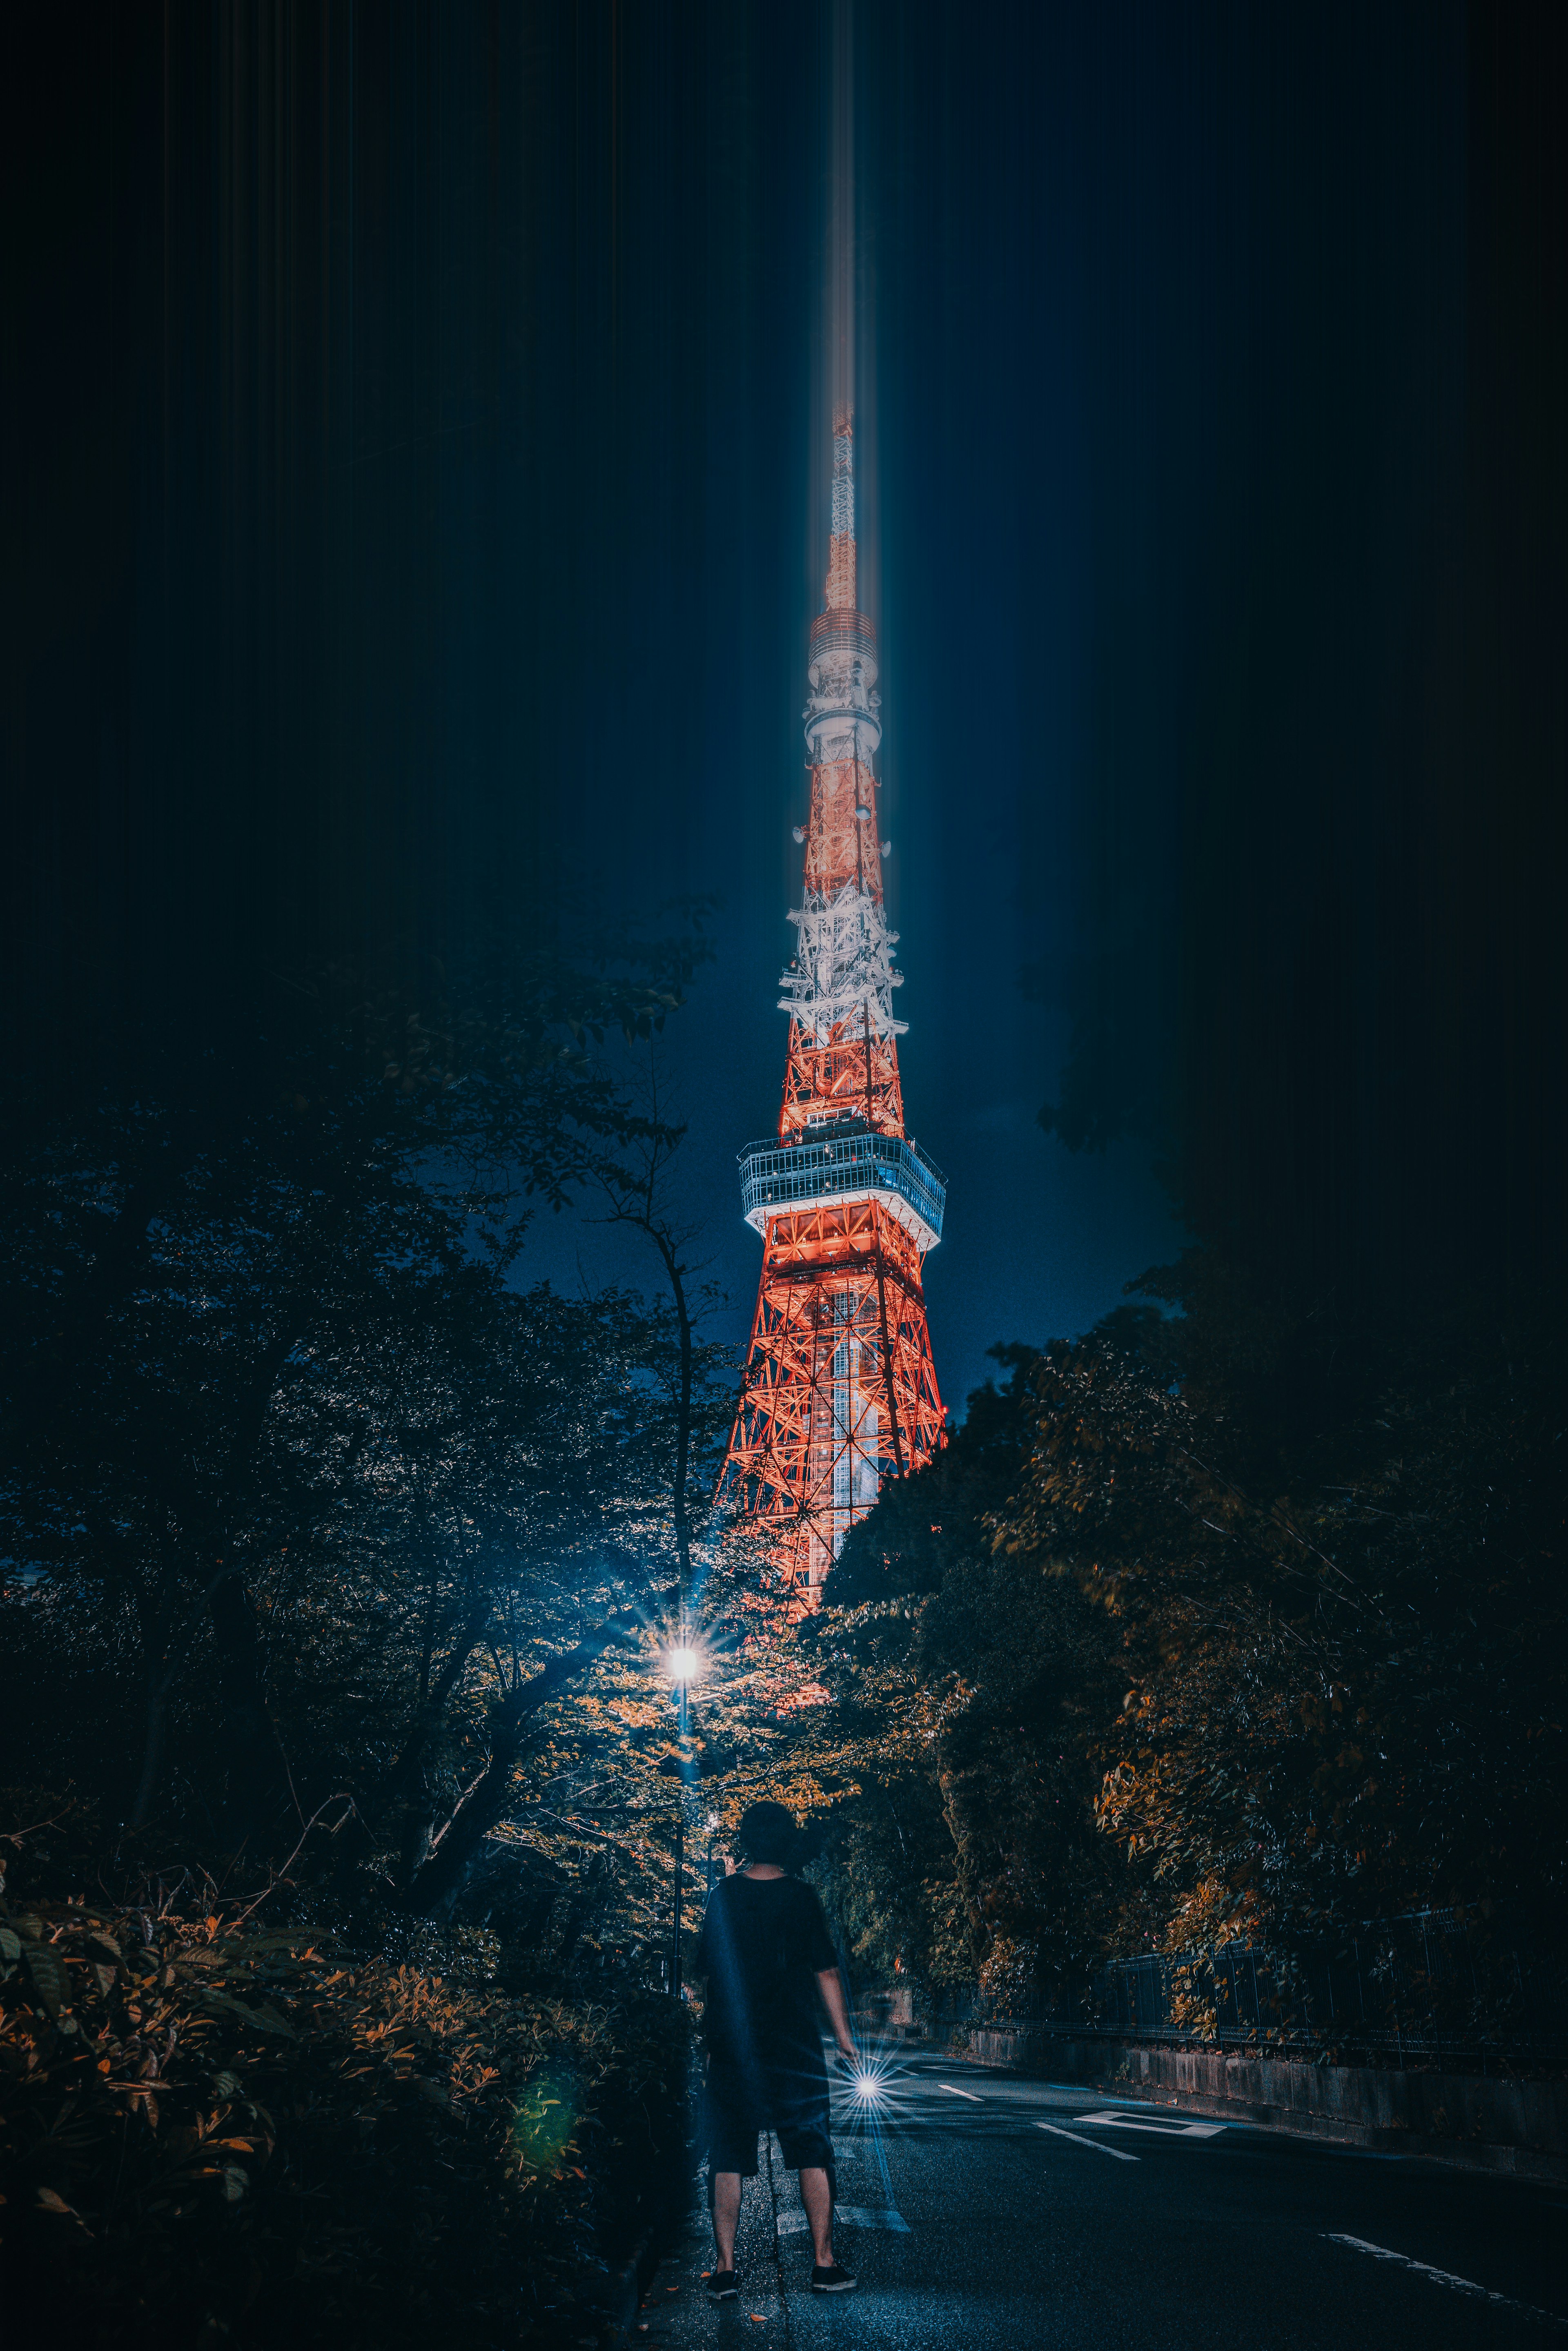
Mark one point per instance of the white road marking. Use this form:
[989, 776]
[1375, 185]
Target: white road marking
[1178, 2126]
[1099, 2149]
[859, 2216]
[1445, 2277]
[954, 2092]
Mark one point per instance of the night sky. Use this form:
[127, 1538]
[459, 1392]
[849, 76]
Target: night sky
[417, 501]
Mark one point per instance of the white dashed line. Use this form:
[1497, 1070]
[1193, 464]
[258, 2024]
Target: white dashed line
[1178, 2126]
[1119, 2153]
[954, 2092]
[1458, 2284]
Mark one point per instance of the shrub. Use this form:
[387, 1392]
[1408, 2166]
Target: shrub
[214, 2131]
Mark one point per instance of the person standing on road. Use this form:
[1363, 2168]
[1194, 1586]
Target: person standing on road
[767, 1957]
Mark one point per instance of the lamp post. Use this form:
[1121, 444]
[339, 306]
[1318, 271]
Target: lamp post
[684, 1665]
[680, 1873]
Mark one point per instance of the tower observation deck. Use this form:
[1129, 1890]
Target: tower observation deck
[840, 1389]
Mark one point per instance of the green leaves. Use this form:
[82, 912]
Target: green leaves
[964, 1683]
[1323, 1547]
[1227, 1628]
[263, 2017]
[374, 2149]
[50, 1982]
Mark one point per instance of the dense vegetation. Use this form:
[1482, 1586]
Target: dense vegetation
[338, 1761]
[1224, 1626]
[343, 1772]
[216, 2131]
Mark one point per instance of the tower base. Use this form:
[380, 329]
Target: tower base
[840, 1389]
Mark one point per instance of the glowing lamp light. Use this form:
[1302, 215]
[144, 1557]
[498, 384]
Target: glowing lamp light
[684, 1665]
[866, 2085]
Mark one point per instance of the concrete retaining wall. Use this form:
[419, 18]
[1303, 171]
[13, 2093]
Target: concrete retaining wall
[1498, 2125]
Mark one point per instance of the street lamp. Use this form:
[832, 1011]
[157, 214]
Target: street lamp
[684, 1663]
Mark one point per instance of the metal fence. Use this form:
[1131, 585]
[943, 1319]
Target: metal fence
[1427, 1987]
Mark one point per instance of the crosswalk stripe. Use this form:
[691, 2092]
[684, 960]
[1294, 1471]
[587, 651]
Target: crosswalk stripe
[859, 2216]
[954, 2092]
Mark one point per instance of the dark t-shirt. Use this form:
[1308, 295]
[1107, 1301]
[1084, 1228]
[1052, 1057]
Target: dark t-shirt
[763, 1944]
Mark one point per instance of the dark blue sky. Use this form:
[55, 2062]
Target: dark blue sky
[1143, 296]
[417, 530]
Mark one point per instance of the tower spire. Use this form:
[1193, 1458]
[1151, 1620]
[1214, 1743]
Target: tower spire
[840, 595]
[839, 1387]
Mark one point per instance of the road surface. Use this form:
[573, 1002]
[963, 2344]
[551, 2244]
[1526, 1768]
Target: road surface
[979, 2211]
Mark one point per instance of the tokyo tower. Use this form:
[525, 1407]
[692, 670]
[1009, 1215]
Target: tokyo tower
[839, 1387]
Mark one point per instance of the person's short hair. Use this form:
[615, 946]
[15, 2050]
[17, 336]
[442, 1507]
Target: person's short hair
[767, 1834]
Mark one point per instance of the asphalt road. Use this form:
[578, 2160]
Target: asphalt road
[997, 2211]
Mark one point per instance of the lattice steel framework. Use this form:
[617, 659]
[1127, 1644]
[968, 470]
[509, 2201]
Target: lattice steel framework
[840, 1388]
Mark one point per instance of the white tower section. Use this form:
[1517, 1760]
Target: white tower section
[845, 970]
[845, 967]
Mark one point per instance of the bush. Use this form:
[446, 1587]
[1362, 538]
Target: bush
[217, 2130]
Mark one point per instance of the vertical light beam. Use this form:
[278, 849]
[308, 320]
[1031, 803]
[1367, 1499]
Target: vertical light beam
[840, 1388]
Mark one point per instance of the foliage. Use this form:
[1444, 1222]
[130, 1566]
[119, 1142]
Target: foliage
[336, 1563]
[301, 1492]
[214, 2129]
[967, 1690]
[1230, 1625]
[1333, 1558]
[1227, 1622]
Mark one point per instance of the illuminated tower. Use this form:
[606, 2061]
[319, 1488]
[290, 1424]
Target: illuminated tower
[840, 1388]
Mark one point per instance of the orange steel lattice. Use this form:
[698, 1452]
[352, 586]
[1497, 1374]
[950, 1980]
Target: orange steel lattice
[840, 1388]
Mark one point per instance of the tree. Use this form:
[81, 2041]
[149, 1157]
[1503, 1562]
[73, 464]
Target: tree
[212, 1238]
[635, 1183]
[1237, 1625]
[1331, 1552]
[968, 1692]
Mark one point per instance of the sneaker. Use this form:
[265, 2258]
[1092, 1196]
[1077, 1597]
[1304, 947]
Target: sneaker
[722, 2285]
[831, 2281]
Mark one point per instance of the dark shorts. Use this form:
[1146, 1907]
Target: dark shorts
[738, 2109]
